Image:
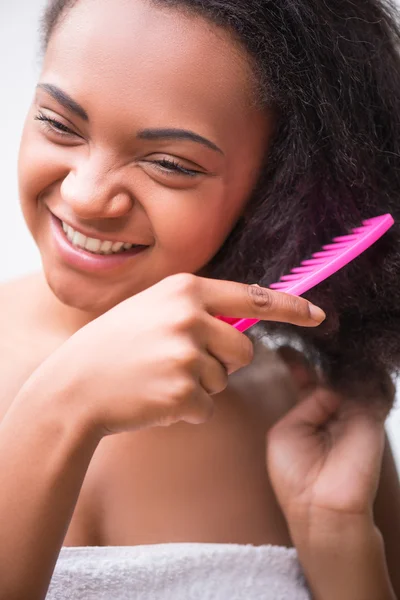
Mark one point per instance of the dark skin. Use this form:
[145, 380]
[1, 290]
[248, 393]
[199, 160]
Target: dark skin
[103, 177]
[93, 167]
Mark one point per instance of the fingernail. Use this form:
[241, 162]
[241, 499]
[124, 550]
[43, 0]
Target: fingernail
[317, 314]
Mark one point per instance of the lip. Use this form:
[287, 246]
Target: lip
[84, 260]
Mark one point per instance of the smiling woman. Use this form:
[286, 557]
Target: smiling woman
[174, 152]
[147, 159]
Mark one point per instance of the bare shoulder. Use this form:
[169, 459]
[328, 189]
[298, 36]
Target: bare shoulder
[19, 344]
[15, 298]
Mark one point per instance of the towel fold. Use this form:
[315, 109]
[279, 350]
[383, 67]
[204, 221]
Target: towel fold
[178, 572]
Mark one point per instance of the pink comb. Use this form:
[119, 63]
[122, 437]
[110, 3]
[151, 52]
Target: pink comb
[325, 263]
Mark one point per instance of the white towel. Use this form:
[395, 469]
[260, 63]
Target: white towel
[178, 572]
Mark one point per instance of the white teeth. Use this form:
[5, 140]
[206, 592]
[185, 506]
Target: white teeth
[70, 233]
[117, 246]
[92, 244]
[79, 240]
[106, 247]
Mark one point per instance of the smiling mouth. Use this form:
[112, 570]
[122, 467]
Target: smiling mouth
[94, 245]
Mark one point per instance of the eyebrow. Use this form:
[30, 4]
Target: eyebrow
[177, 134]
[146, 134]
[64, 99]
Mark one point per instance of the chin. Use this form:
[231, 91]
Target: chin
[92, 297]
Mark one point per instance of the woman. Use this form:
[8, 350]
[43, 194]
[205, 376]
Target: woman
[171, 147]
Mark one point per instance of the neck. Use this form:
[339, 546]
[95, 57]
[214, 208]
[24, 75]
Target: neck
[63, 318]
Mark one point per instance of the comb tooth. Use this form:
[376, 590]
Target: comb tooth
[324, 254]
[371, 221]
[360, 229]
[293, 277]
[278, 286]
[336, 246]
[345, 238]
[313, 269]
[306, 269]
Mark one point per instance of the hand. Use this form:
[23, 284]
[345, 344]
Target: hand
[324, 457]
[160, 356]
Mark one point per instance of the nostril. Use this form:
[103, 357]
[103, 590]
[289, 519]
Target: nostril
[120, 205]
[91, 192]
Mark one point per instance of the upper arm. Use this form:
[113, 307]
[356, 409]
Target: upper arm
[387, 514]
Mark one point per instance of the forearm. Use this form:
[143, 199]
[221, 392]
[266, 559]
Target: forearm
[45, 451]
[343, 557]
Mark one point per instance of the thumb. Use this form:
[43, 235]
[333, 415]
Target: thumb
[319, 407]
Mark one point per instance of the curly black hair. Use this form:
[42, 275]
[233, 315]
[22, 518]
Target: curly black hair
[332, 72]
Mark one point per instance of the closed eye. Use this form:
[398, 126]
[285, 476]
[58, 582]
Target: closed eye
[54, 126]
[164, 165]
[172, 167]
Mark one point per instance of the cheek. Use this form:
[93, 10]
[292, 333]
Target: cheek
[192, 225]
[40, 166]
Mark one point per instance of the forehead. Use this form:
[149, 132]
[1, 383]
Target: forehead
[131, 53]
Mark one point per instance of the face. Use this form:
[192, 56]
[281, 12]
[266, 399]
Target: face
[142, 132]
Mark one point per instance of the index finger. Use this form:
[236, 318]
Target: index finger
[253, 302]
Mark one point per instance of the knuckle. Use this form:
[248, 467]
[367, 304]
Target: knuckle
[182, 389]
[187, 316]
[223, 386]
[183, 283]
[247, 351]
[221, 383]
[190, 358]
[244, 351]
[185, 355]
[260, 297]
[203, 413]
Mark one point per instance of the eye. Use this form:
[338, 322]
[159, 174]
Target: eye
[54, 126]
[172, 167]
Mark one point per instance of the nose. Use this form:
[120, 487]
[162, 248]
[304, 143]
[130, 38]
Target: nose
[94, 190]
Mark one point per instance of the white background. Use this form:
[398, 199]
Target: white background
[19, 68]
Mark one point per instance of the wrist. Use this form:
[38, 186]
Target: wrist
[343, 556]
[55, 388]
[317, 526]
